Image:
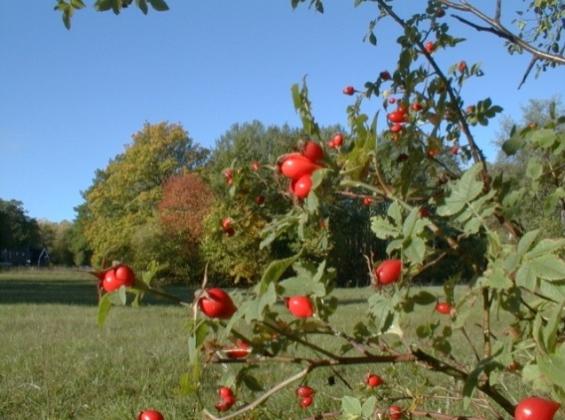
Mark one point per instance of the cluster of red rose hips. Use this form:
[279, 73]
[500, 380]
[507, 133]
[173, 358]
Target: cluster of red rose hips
[336, 141]
[216, 303]
[306, 395]
[115, 277]
[227, 399]
[299, 167]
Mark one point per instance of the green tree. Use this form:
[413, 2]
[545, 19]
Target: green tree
[123, 199]
[57, 239]
[526, 158]
[17, 229]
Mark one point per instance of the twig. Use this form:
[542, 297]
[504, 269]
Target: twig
[498, 29]
[263, 397]
[475, 352]
[487, 348]
[477, 153]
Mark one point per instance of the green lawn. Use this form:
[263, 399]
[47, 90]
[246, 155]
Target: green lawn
[55, 363]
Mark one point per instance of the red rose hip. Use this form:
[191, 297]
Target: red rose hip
[300, 306]
[150, 415]
[536, 408]
[218, 304]
[388, 271]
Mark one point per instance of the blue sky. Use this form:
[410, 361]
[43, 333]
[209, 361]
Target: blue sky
[70, 100]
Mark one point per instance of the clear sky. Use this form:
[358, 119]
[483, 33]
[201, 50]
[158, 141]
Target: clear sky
[70, 100]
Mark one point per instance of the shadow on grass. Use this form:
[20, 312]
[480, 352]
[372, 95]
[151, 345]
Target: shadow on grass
[35, 291]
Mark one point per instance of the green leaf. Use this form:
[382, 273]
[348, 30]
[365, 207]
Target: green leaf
[312, 202]
[463, 192]
[497, 279]
[318, 177]
[201, 333]
[273, 272]
[526, 277]
[544, 137]
[511, 146]
[548, 267]
[552, 200]
[551, 329]
[368, 408]
[122, 295]
[351, 407]
[552, 366]
[410, 223]
[104, 307]
[415, 251]
[532, 373]
[103, 5]
[526, 242]
[249, 380]
[424, 298]
[78, 4]
[159, 5]
[546, 246]
[534, 169]
[302, 286]
[383, 229]
[189, 382]
[142, 4]
[395, 213]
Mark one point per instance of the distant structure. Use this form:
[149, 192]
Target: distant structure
[24, 257]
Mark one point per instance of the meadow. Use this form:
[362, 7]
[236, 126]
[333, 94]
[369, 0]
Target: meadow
[56, 363]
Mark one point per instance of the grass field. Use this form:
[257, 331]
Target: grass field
[55, 363]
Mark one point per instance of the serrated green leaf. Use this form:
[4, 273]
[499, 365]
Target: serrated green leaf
[273, 273]
[464, 191]
[395, 213]
[383, 229]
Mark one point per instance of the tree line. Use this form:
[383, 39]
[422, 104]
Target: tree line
[163, 201]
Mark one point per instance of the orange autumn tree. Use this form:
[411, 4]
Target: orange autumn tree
[187, 200]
